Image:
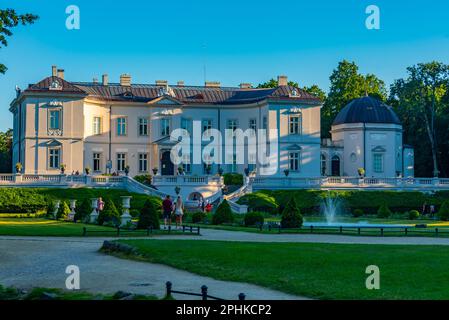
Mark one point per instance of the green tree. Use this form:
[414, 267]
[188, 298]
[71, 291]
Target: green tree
[291, 216]
[347, 84]
[6, 151]
[384, 212]
[443, 213]
[272, 83]
[83, 210]
[223, 214]
[148, 216]
[63, 210]
[109, 214]
[9, 19]
[421, 102]
[316, 91]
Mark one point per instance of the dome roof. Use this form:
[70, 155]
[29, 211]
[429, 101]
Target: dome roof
[366, 110]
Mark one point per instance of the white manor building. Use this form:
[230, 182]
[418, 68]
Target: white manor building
[109, 126]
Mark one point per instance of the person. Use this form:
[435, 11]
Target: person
[100, 205]
[179, 211]
[432, 210]
[167, 208]
[203, 205]
[424, 207]
[208, 207]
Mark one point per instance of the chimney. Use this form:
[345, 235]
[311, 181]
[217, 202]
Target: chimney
[245, 85]
[180, 83]
[54, 71]
[125, 80]
[162, 83]
[105, 80]
[212, 84]
[282, 80]
[61, 73]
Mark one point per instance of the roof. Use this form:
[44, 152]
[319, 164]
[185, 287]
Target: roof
[183, 94]
[366, 110]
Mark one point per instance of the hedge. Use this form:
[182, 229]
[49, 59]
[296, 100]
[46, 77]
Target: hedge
[367, 201]
[233, 179]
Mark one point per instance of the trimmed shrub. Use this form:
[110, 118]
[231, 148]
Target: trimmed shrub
[413, 214]
[383, 212]
[253, 218]
[50, 209]
[63, 210]
[144, 179]
[443, 213]
[223, 214]
[134, 213]
[198, 217]
[259, 201]
[233, 179]
[357, 213]
[148, 216]
[83, 210]
[291, 217]
[110, 214]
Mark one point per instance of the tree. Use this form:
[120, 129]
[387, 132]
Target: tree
[316, 91]
[272, 83]
[63, 210]
[109, 214]
[291, 216]
[223, 214]
[443, 213]
[348, 84]
[83, 210]
[6, 151]
[148, 216]
[420, 100]
[10, 19]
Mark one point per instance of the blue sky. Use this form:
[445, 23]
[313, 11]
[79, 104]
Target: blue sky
[238, 41]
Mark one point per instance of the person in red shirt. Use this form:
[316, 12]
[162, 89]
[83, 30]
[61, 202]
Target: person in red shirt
[167, 209]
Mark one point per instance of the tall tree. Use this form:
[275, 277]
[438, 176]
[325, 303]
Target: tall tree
[10, 19]
[347, 84]
[420, 102]
[5, 151]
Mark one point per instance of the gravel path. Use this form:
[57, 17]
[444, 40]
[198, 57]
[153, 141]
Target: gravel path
[41, 262]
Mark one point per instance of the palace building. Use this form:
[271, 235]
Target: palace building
[113, 127]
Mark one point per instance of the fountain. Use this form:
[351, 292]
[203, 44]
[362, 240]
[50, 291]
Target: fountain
[330, 206]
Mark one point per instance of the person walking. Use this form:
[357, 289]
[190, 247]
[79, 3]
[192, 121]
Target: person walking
[167, 208]
[179, 211]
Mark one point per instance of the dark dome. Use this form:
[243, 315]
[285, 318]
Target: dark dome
[366, 110]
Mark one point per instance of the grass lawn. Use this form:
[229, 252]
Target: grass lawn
[325, 271]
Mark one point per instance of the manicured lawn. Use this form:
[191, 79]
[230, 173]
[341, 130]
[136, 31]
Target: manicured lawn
[325, 271]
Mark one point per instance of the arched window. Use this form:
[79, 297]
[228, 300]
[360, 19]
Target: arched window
[335, 166]
[323, 165]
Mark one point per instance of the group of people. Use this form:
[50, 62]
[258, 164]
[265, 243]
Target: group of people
[428, 209]
[168, 208]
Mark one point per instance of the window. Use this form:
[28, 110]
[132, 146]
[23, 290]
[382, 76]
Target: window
[232, 125]
[293, 161]
[143, 127]
[55, 117]
[265, 123]
[206, 125]
[186, 163]
[165, 127]
[186, 124]
[97, 161]
[121, 126]
[253, 125]
[143, 162]
[323, 165]
[294, 124]
[54, 156]
[121, 161]
[97, 125]
[378, 162]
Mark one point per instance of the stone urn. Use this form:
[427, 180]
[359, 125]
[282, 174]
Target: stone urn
[94, 214]
[126, 217]
[71, 215]
[57, 205]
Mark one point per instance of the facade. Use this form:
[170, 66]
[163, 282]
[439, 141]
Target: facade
[112, 127]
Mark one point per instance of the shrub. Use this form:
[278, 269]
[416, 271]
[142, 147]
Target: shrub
[144, 179]
[259, 202]
[291, 216]
[83, 210]
[148, 216]
[109, 214]
[235, 179]
[134, 213]
[253, 218]
[198, 217]
[413, 214]
[383, 212]
[357, 213]
[443, 213]
[63, 210]
[50, 208]
[223, 214]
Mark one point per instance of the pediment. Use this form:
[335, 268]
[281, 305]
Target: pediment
[166, 100]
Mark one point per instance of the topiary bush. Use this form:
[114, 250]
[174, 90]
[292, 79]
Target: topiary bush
[110, 214]
[356, 213]
[443, 213]
[253, 218]
[223, 214]
[148, 216]
[84, 210]
[233, 179]
[259, 201]
[413, 214]
[144, 179]
[63, 210]
[198, 217]
[384, 212]
[51, 208]
[291, 216]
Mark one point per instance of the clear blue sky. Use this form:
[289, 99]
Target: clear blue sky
[238, 40]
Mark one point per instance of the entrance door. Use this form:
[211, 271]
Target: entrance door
[167, 167]
[335, 166]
